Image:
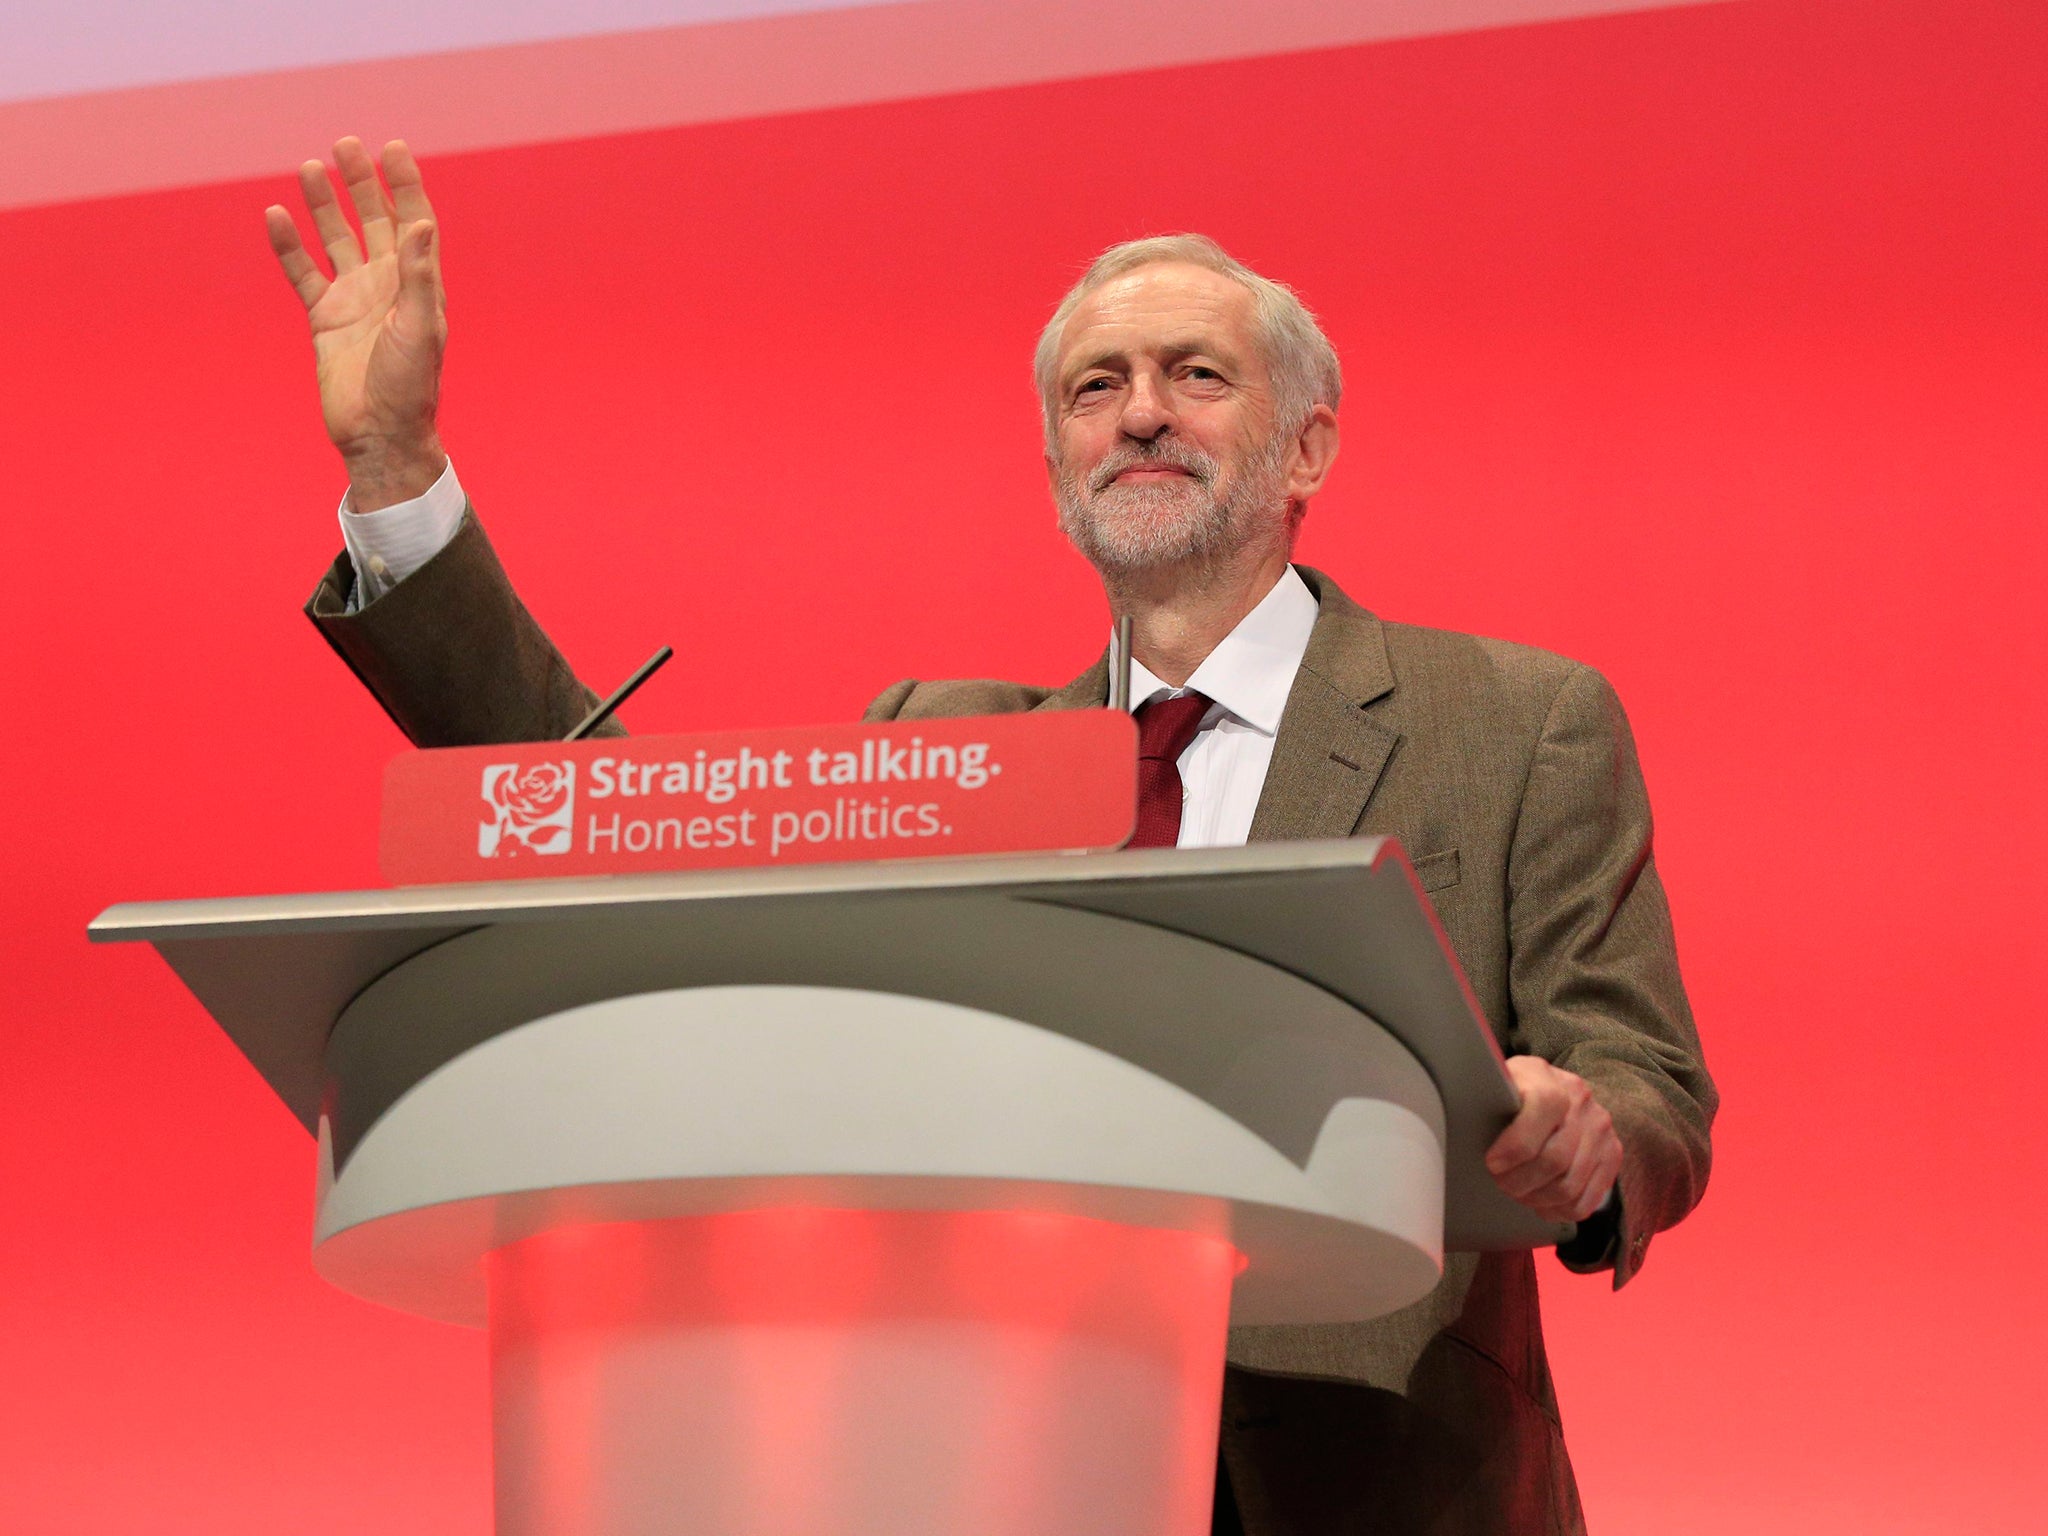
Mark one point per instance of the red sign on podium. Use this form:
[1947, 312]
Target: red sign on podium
[1063, 779]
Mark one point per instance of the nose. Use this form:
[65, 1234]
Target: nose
[1147, 412]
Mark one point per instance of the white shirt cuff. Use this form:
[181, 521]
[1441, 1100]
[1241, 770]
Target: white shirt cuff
[388, 545]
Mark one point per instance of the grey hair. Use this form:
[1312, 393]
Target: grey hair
[1298, 354]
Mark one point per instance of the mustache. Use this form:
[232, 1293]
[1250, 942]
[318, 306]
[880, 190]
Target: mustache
[1161, 453]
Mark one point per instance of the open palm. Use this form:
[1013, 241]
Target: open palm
[379, 322]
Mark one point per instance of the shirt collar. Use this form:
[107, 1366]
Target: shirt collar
[1252, 670]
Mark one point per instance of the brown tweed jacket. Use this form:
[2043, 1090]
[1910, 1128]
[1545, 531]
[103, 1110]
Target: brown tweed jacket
[1510, 777]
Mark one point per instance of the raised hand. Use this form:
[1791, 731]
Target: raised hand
[379, 323]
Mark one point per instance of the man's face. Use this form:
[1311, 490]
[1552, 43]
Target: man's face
[1163, 413]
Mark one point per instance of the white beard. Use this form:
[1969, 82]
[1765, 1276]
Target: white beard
[1188, 517]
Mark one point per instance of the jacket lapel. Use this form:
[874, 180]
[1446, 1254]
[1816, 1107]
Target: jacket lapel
[1329, 754]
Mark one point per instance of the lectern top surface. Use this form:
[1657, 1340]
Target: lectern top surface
[1347, 915]
[466, 905]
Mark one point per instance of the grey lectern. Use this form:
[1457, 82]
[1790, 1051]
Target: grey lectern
[882, 1198]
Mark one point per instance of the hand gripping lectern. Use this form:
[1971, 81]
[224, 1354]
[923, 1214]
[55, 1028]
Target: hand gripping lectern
[881, 1199]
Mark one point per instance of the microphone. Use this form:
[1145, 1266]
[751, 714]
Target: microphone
[603, 712]
[1120, 665]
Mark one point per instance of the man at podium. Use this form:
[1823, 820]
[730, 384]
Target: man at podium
[1190, 416]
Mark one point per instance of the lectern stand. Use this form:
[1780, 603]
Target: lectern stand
[870, 1200]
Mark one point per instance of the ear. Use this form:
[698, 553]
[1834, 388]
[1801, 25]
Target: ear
[1315, 451]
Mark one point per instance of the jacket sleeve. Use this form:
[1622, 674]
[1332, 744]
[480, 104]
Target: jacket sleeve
[1593, 966]
[451, 652]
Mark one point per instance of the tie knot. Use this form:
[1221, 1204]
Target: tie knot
[1166, 726]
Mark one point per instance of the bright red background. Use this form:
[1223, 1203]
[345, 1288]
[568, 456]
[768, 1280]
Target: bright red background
[1706, 345]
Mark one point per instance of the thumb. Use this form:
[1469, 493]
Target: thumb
[418, 283]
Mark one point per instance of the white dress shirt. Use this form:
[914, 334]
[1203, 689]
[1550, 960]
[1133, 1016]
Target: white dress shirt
[1248, 676]
[1222, 771]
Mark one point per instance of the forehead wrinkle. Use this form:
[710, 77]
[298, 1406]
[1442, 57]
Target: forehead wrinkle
[1183, 301]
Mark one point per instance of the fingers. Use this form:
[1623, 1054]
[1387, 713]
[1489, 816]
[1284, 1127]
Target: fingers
[386, 207]
[408, 189]
[372, 204]
[1542, 1169]
[1544, 1107]
[1577, 1192]
[329, 222]
[300, 269]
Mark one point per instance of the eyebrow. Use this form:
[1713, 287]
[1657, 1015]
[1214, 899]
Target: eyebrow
[1173, 352]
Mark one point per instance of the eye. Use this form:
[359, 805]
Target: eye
[1092, 385]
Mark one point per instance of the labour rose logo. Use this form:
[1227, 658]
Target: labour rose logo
[527, 810]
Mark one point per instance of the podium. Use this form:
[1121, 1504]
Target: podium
[889, 1198]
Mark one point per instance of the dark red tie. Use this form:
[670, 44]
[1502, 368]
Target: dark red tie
[1165, 727]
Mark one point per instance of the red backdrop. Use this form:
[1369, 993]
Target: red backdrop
[1705, 345]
